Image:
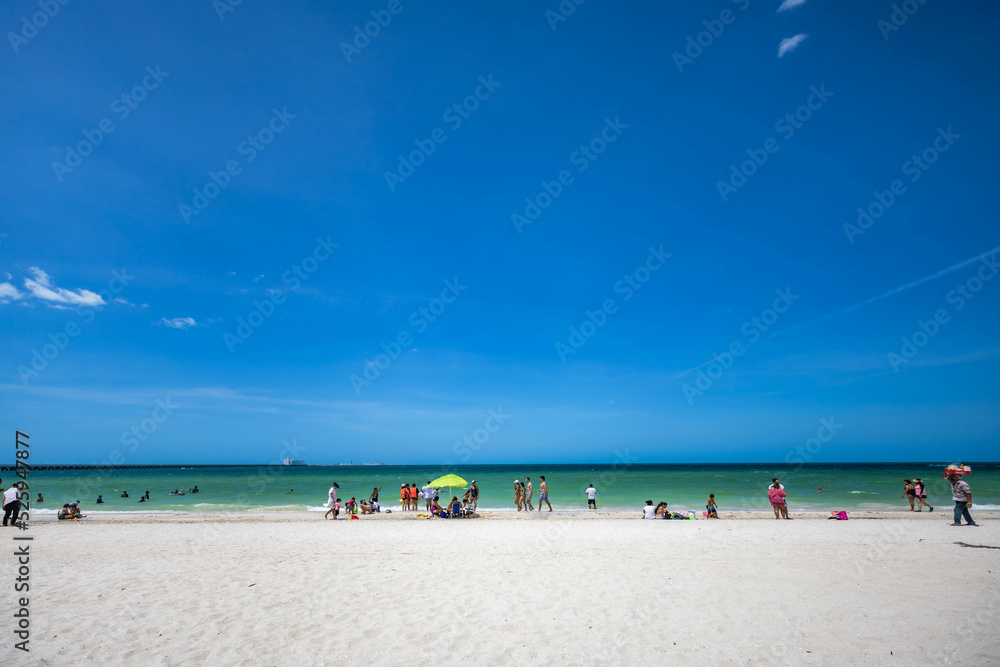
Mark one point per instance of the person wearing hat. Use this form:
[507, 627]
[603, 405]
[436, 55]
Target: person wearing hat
[961, 493]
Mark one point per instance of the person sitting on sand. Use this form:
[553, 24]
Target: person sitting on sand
[366, 507]
[436, 509]
[838, 515]
[713, 511]
[74, 510]
[649, 512]
[662, 512]
[456, 507]
[64, 513]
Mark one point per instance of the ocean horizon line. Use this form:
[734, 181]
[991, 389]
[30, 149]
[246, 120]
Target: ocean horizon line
[618, 464]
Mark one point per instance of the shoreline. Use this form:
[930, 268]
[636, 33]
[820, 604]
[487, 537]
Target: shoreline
[294, 516]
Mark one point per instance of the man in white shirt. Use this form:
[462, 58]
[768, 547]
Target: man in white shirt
[428, 493]
[591, 497]
[11, 504]
[961, 493]
[649, 512]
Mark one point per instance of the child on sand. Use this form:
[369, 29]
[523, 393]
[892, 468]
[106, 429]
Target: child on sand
[712, 509]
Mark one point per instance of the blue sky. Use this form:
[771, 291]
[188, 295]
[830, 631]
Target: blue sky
[625, 137]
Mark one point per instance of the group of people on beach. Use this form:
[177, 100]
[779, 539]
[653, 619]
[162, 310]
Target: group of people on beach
[523, 491]
[915, 491]
[409, 499]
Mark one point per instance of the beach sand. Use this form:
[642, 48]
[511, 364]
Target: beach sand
[292, 589]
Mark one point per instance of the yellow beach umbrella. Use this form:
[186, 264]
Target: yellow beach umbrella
[450, 481]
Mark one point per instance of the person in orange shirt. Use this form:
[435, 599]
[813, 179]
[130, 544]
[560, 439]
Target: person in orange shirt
[414, 493]
[404, 497]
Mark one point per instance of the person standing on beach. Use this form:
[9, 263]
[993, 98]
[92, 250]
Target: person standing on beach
[591, 497]
[909, 492]
[373, 498]
[921, 489]
[331, 501]
[713, 511]
[543, 494]
[474, 494]
[415, 497]
[961, 493]
[428, 493]
[517, 494]
[11, 504]
[776, 495]
[404, 497]
[527, 495]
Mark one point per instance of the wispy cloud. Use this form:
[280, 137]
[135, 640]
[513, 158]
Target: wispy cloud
[177, 322]
[790, 4]
[894, 290]
[41, 287]
[789, 44]
[9, 293]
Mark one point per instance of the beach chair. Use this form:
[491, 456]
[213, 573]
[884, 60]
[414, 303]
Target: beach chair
[456, 510]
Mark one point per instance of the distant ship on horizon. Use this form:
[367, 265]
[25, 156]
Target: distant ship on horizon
[292, 462]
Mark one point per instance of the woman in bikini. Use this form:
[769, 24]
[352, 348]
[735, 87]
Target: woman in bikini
[909, 492]
[921, 492]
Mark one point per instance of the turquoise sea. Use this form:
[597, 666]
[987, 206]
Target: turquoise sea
[684, 486]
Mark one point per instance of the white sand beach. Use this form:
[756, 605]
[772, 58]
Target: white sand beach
[293, 589]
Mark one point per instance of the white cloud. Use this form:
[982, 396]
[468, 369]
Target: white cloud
[42, 288]
[178, 322]
[789, 44]
[125, 302]
[9, 293]
[790, 4]
[231, 273]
